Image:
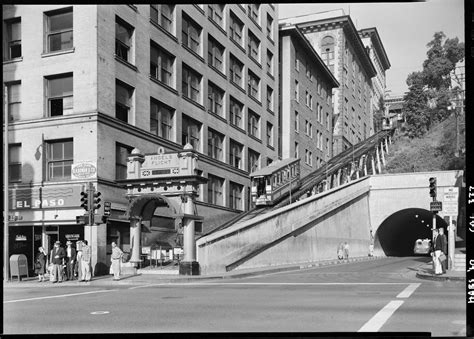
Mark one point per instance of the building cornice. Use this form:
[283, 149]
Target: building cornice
[377, 42]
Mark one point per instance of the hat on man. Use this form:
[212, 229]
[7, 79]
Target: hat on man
[57, 243]
[68, 243]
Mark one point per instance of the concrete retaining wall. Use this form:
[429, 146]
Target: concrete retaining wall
[308, 230]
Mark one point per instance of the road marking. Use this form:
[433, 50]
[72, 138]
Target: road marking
[378, 320]
[260, 284]
[56, 296]
[408, 291]
[100, 312]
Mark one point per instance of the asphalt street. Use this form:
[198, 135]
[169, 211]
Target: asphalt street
[375, 296]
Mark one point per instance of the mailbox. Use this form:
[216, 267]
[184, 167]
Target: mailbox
[18, 266]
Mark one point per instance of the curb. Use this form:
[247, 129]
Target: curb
[439, 277]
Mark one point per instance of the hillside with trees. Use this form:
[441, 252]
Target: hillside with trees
[433, 136]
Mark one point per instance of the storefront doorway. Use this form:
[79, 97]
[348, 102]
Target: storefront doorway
[51, 236]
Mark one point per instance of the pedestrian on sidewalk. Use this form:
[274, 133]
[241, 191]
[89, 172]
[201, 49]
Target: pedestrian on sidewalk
[116, 259]
[57, 259]
[444, 250]
[437, 247]
[340, 251]
[77, 266]
[86, 262]
[40, 263]
[346, 250]
[70, 260]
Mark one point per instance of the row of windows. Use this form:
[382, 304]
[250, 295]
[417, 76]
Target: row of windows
[297, 122]
[60, 157]
[325, 94]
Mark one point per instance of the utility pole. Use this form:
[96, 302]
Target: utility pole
[6, 117]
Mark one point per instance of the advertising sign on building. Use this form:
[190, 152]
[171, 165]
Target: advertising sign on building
[84, 170]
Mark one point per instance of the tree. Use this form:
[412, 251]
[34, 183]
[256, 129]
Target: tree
[430, 92]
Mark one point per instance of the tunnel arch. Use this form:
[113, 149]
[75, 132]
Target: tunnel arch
[397, 234]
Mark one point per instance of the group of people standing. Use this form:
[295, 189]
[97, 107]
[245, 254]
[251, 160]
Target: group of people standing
[343, 251]
[65, 263]
[439, 251]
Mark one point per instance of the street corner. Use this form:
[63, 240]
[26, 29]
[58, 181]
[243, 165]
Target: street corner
[428, 274]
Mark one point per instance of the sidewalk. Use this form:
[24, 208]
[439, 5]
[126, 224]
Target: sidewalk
[162, 278]
[426, 272]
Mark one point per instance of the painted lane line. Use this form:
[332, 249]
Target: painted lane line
[56, 296]
[261, 284]
[408, 291]
[378, 320]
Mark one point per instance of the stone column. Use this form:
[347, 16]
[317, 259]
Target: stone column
[189, 265]
[135, 235]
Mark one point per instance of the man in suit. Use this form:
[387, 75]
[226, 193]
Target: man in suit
[57, 259]
[70, 260]
[444, 249]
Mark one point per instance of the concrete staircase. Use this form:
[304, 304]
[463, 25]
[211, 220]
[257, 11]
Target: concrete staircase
[459, 262]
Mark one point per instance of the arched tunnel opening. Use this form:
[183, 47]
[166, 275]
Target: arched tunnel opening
[397, 235]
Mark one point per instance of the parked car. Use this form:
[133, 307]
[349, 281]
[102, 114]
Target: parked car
[422, 246]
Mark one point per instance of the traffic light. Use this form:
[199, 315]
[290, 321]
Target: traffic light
[85, 201]
[107, 208]
[433, 187]
[96, 201]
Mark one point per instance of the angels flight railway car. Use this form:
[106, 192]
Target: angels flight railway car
[270, 184]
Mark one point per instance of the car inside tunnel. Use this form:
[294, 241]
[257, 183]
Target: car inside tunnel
[397, 234]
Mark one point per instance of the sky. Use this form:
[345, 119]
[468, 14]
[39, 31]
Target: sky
[404, 28]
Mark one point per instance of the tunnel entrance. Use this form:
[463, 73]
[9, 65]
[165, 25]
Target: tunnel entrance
[397, 234]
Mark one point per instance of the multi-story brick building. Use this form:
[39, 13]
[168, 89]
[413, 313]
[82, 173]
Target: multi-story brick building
[87, 84]
[306, 111]
[374, 46]
[334, 36]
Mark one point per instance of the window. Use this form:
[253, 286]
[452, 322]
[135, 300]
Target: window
[236, 109]
[191, 34]
[215, 54]
[269, 134]
[327, 121]
[161, 65]
[235, 154]
[328, 149]
[253, 85]
[59, 92]
[191, 132]
[59, 30]
[161, 119]
[319, 110]
[254, 124]
[162, 15]
[123, 40]
[308, 70]
[215, 140]
[191, 84]
[122, 153]
[253, 12]
[270, 98]
[14, 100]
[269, 26]
[297, 61]
[297, 151]
[235, 69]
[236, 28]
[269, 62]
[297, 122]
[214, 190]
[308, 158]
[215, 99]
[59, 160]
[253, 163]
[14, 163]
[123, 101]
[307, 98]
[13, 30]
[327, 52]
[297, 91]
[216, 13]
[235, 196]
[308, 127]
[254, 47]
